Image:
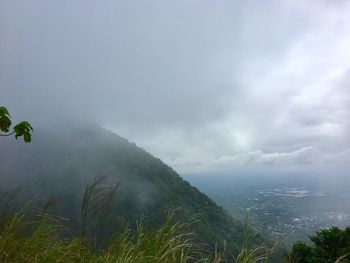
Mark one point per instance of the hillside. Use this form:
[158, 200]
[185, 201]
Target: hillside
[60, 165]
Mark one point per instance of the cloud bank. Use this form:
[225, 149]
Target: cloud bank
[200, 84]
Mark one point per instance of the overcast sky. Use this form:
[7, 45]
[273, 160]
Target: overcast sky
[204, 85]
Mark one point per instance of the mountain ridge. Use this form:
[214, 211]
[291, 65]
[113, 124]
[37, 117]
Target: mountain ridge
[60, 165]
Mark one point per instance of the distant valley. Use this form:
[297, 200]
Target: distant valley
[284, 208]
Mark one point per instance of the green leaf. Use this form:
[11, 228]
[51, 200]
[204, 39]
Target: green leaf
[5, 119]
[23, 129]
[4, 111]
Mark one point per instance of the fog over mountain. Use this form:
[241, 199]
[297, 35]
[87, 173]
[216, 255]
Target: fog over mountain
[204, 85]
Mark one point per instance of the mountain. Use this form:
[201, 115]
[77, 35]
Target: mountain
[58, 164]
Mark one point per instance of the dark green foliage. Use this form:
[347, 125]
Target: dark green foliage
[21, 129]
[300, 253]
[328, 246]
[5, 119]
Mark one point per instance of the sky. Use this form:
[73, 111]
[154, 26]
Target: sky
[204, 85]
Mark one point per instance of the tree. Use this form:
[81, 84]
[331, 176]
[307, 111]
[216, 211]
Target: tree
[329, 245]
[22, 129]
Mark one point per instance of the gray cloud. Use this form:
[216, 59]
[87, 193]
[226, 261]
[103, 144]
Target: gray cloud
[193, 82]
[300, 156]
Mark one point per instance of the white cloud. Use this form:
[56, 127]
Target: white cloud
[305, 155]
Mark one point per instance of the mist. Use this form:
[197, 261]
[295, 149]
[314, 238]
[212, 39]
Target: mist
[204, 86]
[228, 119]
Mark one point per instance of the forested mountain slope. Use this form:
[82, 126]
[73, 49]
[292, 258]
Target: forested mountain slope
[59, 165]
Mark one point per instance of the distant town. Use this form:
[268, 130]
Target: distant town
[286, 211]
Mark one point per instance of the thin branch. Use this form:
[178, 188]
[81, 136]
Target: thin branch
[9, 134]
[340, 259]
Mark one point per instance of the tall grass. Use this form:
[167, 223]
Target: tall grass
[250, 253]
[42, 237]
[37, 240]
[41, 240]
[168, 244]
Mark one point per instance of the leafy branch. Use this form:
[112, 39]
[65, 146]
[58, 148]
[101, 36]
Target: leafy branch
[22, 129]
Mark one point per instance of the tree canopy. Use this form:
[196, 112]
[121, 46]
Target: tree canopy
[329, 245]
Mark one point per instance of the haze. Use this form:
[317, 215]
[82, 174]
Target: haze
[203, 85]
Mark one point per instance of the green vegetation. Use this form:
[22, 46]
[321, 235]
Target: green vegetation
[40, 237]
[58, 166]
[40, 240]
[94, 222]
[22, 129]
[253, 254]
[95, 217]
[329, 245]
